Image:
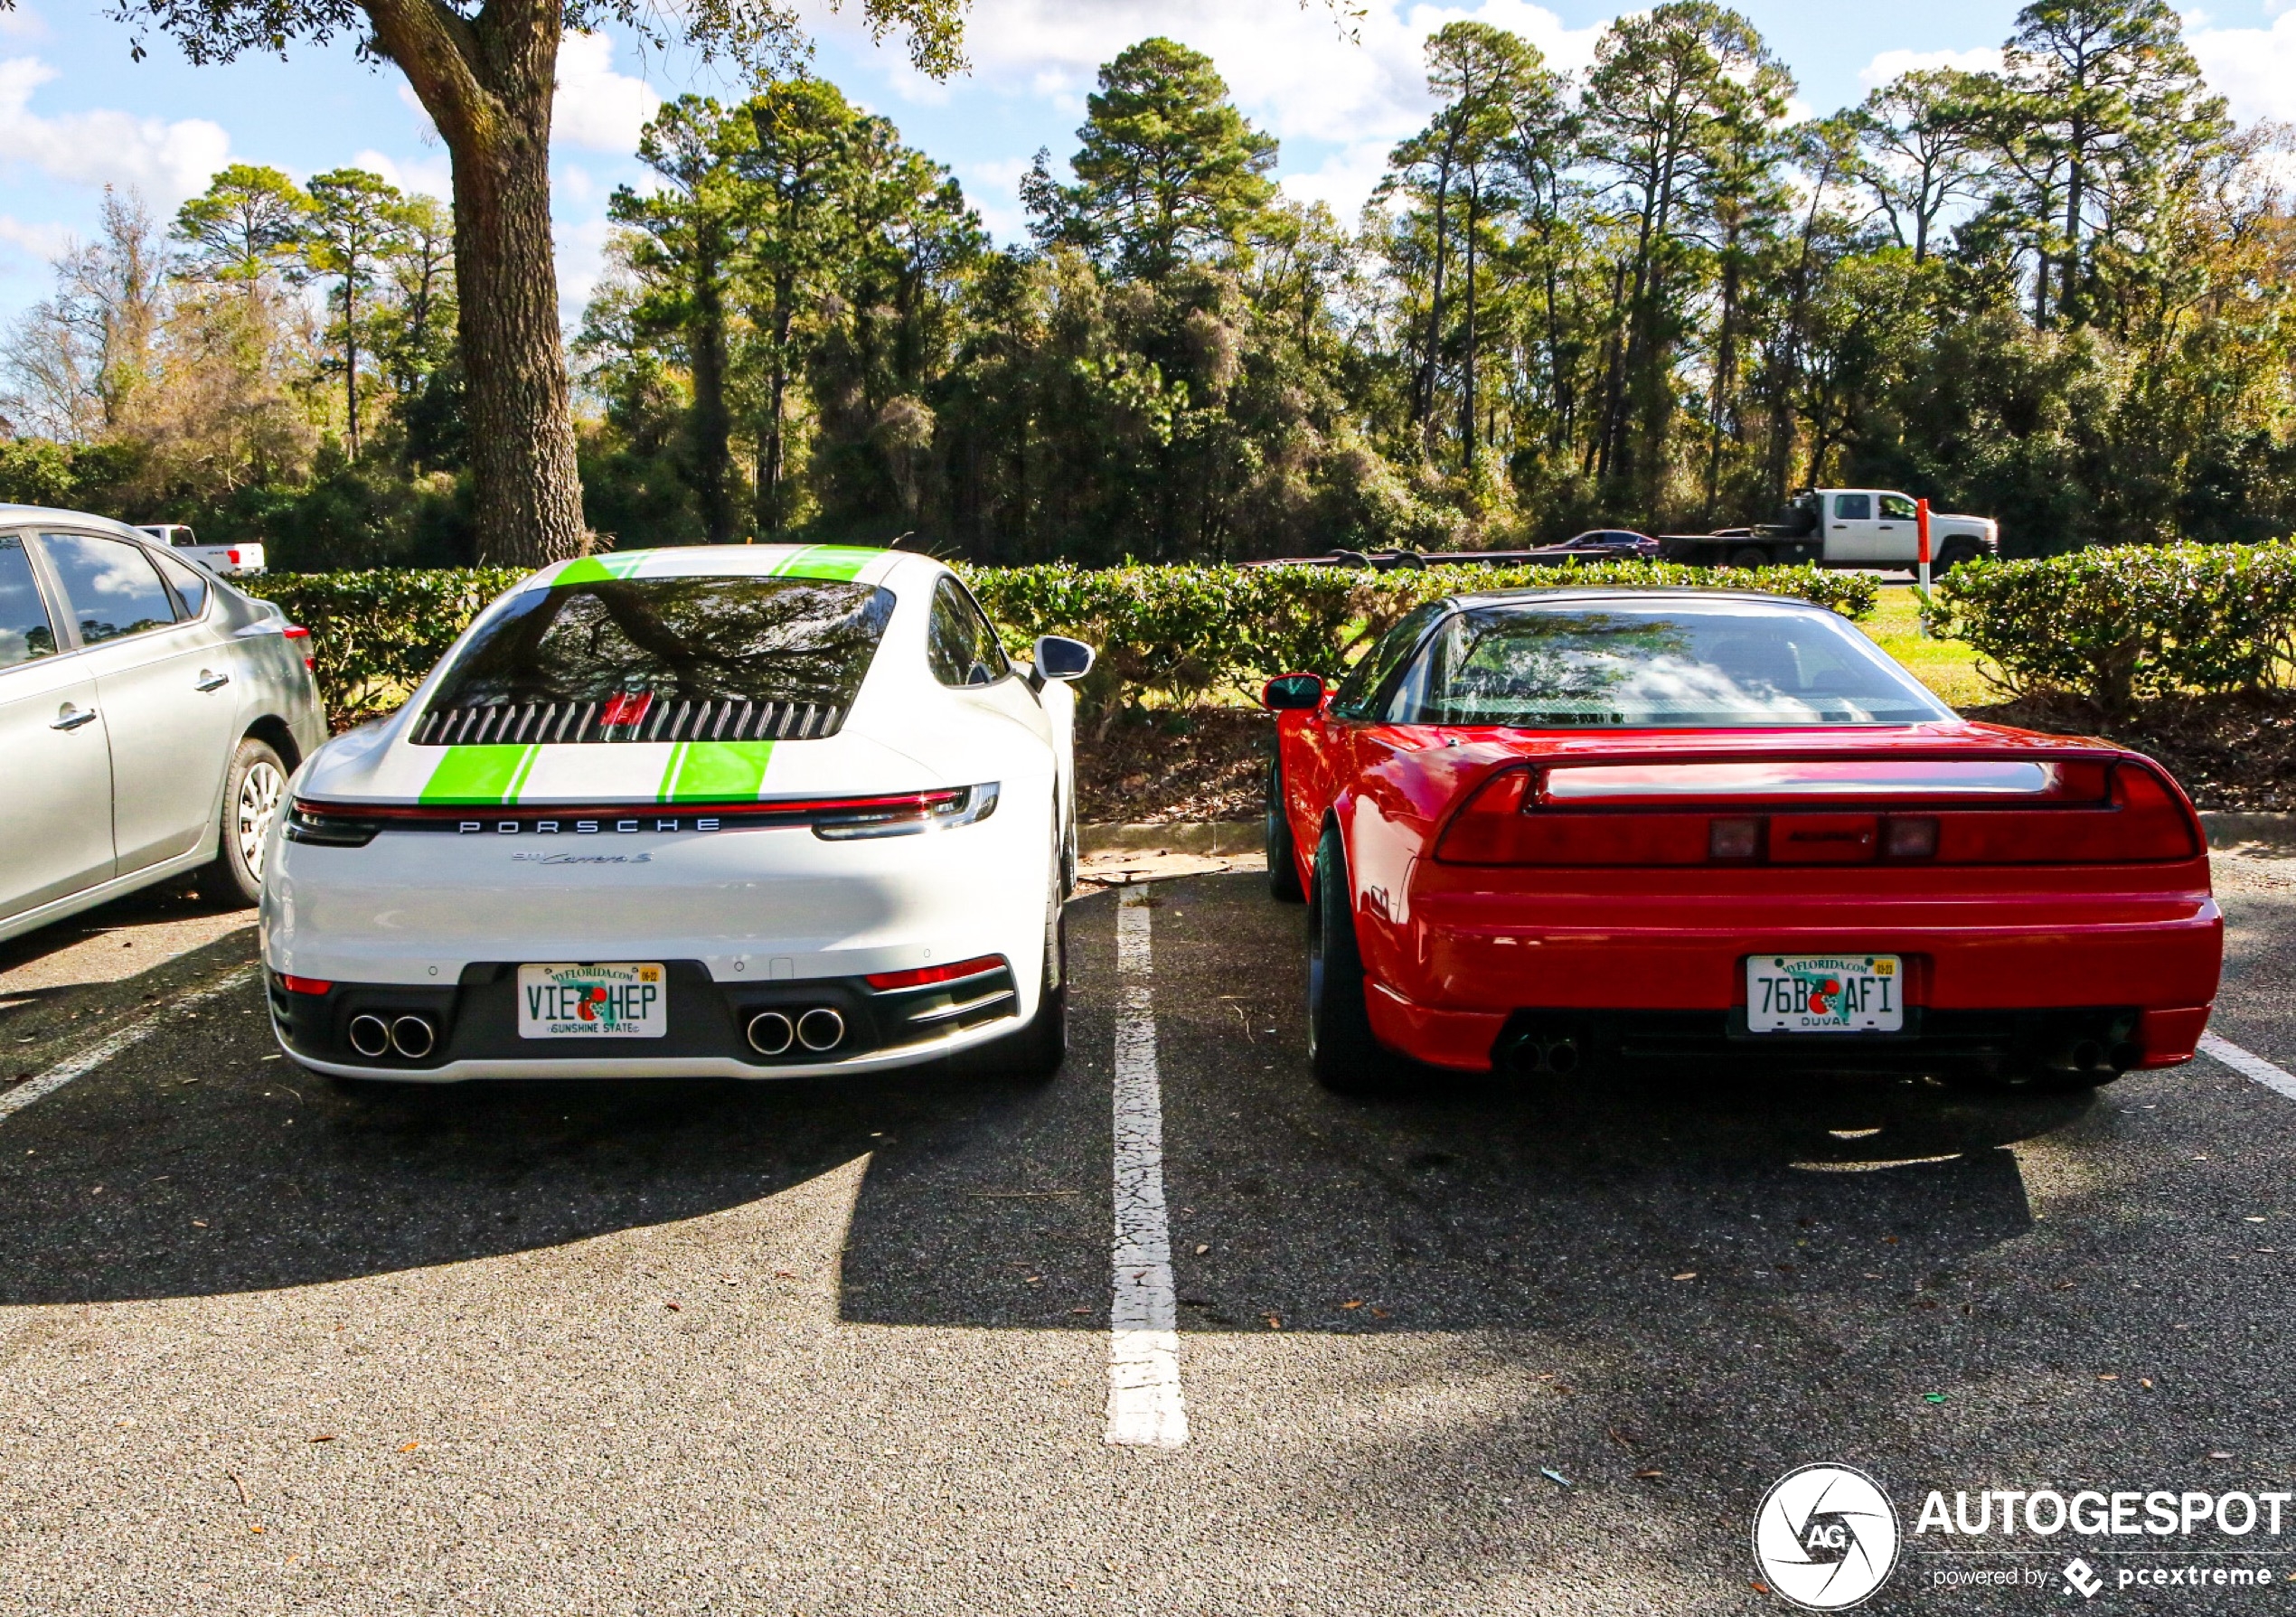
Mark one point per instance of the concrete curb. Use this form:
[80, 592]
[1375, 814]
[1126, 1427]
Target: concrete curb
[2273, 834]
[2266, 833]
[1212, 838]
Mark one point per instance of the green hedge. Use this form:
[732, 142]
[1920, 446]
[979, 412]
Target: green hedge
[1181, 634]
[2115, 623]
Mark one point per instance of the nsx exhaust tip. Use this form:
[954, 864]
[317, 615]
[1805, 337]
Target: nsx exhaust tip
[1529, 1055]
[370, 1036]
[771, 1033]
[413, 1037]
[821, 1028]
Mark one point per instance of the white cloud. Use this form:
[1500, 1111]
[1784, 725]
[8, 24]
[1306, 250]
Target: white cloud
[2254, 69]
[21, 22]
[38, 242]
[1890, 64]
[166, 162]
[429, 177]
[596, 106]
[581, 260]
[994, 190]
[1293, 68]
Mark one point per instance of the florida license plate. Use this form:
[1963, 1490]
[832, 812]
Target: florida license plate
[616, 1000]
[1825, 993]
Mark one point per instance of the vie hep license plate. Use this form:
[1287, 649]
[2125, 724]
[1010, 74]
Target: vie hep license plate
[1825, 993]
[625, 1000]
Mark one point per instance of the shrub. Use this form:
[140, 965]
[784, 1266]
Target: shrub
[2115, 624]
[1181, 634]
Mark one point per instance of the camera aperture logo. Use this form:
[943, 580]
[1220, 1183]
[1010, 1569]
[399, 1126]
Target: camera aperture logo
[1826, 1537]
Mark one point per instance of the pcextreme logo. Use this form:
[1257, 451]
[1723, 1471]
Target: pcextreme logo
[1826, 1537]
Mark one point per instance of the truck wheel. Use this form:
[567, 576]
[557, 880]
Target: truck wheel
[1953, 555]
[1749, 555]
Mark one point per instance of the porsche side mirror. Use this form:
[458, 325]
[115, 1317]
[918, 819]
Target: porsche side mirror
[1060, 658]
[1293, 692]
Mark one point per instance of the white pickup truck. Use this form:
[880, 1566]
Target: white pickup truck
[228, 561]
[1841, 527]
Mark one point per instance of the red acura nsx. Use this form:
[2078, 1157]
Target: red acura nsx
[1546, 830]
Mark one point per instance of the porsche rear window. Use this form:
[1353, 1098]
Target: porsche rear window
[663, 660]
[1657, 665]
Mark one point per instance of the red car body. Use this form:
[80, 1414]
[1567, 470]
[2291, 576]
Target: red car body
[1515, 892]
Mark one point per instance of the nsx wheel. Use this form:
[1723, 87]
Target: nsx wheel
[1283, 865]
[252, 789]
[1341, 1050]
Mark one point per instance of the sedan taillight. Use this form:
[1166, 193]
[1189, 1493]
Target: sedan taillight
[297, 632]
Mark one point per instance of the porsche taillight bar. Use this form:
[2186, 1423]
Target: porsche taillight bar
[2070, 810]
[836, 819]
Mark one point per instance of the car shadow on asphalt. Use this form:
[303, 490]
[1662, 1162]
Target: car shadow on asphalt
[985, 1203]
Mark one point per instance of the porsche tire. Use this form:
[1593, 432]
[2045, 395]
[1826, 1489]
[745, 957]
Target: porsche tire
[1341, 1052]
[1283, 862]
[1035, 1053]
[254, 787]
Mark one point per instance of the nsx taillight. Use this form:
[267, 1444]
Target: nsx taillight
[1955, 812]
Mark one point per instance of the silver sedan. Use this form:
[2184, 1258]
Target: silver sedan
[150, 717]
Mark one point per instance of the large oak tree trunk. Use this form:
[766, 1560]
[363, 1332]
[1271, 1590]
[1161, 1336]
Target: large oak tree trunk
[487, 82]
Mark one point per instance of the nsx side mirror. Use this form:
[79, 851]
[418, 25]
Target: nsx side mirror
[1060, 658]
[1293, 692]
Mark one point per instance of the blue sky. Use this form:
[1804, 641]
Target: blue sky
[76, 113]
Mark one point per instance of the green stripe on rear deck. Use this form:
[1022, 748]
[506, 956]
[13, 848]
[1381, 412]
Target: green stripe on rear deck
[476, 775]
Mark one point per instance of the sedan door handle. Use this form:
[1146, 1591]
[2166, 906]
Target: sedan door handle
[71, 718]
[211, 681]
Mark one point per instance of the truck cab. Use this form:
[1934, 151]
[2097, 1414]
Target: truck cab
[1843, 527]
[244, 560]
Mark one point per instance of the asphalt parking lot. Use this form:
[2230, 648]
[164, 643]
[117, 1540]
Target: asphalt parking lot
[270, 1346]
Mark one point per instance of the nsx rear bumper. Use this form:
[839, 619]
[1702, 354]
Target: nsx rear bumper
[1636, 978]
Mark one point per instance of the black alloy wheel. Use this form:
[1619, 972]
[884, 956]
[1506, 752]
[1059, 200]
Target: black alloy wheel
[1340, 1049]
[1282, 864]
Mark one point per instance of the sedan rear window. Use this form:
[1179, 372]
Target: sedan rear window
[719, 659]
[1674, 664]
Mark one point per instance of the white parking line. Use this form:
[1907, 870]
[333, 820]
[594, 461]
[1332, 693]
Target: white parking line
[1144, 1405]
[119, 1038]
[2247, 1065]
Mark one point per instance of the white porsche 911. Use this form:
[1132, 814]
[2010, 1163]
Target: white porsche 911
[756, 812]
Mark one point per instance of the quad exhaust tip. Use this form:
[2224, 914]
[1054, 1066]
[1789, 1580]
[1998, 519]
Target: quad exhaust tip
[413, 1037]
[821, 1028]
[771, 1033]
[369, 1034]
[774, 1032]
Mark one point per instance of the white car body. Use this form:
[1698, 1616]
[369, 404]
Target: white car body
[672, 866]
[244, 560]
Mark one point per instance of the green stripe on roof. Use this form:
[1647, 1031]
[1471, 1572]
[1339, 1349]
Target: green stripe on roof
[476, 775]
[829, 563]
[599, 569]
[716, 770]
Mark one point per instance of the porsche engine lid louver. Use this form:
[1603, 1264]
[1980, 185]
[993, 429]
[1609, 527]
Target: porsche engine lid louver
[643, 717]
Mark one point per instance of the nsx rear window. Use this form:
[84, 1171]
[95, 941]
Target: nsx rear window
[1672, 664]
[718, 659]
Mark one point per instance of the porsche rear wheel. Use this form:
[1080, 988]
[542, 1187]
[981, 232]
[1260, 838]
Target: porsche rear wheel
[1283, 863]
[1035, 1052]
[1341, 1050]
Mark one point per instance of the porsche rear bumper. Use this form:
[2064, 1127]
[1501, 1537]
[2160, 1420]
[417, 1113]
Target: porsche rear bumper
[473, 1027]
